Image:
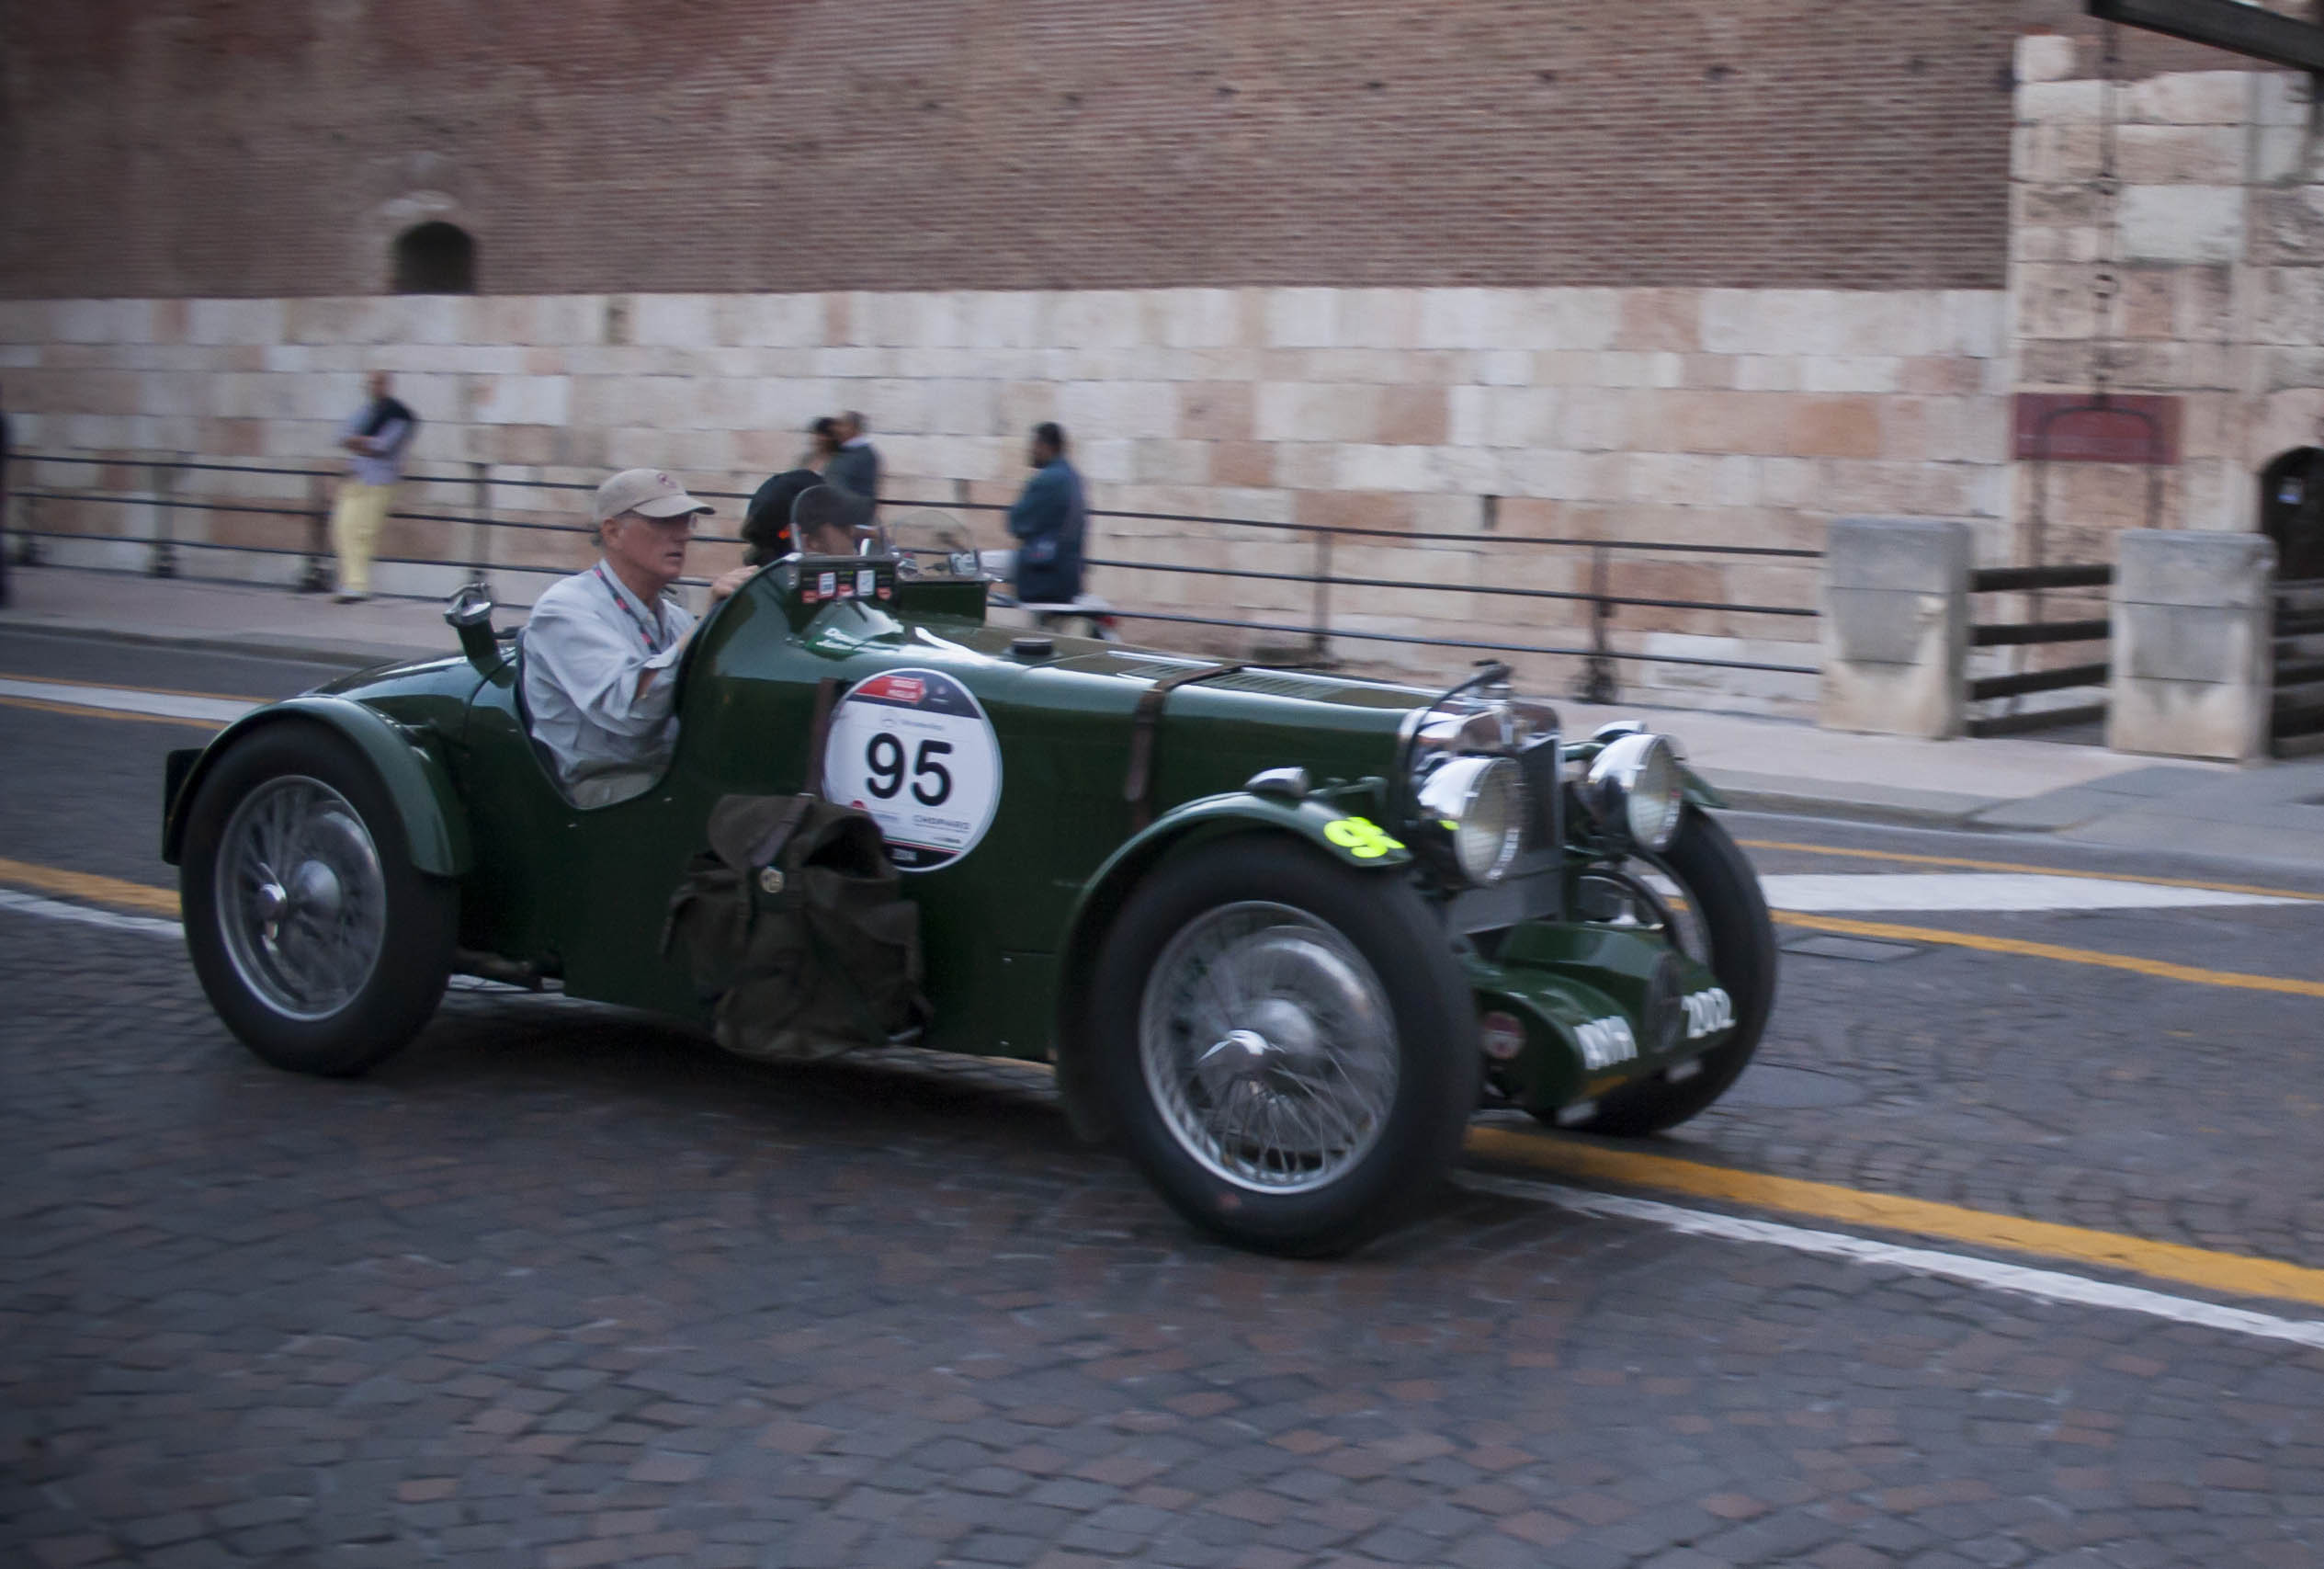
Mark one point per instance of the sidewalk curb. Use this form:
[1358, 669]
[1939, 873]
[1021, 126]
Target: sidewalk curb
[1847, 809]
[321, 651]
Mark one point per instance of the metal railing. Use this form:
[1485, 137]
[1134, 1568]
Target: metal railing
[1597, 683]
[1598, 655]
[2035, 631]
[2295, 712]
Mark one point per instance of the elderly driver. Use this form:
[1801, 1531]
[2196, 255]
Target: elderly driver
[602, 647]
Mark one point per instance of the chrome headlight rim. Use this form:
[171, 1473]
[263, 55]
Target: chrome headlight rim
[1477, 803]
[1634, 791]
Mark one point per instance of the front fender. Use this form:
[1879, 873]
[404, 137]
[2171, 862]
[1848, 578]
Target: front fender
[1346, 837]
[1349, 837]
[1697, 789]
[434, 824]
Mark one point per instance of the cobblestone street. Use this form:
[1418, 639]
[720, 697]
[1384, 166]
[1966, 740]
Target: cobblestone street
[561, 1285]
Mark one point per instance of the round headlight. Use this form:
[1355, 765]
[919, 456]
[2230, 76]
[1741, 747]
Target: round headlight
[1481, 802]
[1633, 788]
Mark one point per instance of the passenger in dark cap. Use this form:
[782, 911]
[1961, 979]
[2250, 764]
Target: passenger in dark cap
[767, 534]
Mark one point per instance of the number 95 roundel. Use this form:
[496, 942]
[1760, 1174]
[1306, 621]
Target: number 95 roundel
[915, 749]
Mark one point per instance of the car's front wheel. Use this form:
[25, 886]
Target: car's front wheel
[1286, 1044]
[318, 942]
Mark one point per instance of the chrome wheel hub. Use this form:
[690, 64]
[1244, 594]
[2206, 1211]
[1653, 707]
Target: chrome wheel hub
[301, 903]
[1268, 1045]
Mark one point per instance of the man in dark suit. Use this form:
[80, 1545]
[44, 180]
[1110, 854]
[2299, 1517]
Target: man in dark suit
[1049, 520]
[855, 466]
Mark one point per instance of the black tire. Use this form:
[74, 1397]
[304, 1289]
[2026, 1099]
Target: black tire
[1379, 917]
[349, 1025]
[1721, 885]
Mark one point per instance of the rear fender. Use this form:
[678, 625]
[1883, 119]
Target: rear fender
[1348, 837]
[434, 824]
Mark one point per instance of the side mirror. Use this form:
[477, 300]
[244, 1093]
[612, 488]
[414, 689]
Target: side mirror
[469, 613]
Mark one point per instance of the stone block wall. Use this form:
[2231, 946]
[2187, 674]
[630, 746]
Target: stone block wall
[2214, 242]
[2217, 239]
[1434, 433]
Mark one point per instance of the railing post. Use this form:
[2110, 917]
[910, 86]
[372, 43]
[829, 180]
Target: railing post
[481, 543]
[1321, 651]
[162, 477]
[2193, 644]
[1896, 626]
[1597, 670]
[316, 577]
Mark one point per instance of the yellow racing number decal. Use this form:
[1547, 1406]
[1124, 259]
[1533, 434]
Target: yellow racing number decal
[1361, 837]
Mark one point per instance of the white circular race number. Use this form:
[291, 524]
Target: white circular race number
[915, 749]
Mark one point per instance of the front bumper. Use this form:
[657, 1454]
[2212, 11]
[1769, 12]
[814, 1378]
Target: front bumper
[1598, 1006]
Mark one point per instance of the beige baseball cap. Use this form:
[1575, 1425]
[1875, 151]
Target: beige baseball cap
[647, 491]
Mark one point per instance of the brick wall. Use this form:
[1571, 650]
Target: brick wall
[274, 147]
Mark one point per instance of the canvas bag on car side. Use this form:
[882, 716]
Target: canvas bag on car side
[794, 920]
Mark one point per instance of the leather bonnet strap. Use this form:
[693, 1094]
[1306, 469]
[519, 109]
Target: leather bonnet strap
[1138, 786]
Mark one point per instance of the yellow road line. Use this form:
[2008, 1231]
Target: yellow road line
[118, 686]
[2159, 968]
[2022, 866]
[79, 712]
[2227, 1273]
[117, 891]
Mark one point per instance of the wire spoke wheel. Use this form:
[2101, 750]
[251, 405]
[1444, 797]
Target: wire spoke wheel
[301, 903]
[1269, 1047]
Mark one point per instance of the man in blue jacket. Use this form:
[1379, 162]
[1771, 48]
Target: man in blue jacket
[1049, 520]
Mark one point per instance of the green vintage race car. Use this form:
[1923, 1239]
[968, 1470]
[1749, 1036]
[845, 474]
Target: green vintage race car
[1281, 933]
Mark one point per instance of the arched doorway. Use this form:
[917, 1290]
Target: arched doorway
[435, 259]
[2291, 511]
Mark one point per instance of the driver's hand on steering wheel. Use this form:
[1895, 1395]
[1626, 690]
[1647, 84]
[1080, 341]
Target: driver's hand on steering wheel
[726, 583]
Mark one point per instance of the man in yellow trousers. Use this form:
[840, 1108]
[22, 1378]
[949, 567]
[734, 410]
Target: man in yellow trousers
[376, 438]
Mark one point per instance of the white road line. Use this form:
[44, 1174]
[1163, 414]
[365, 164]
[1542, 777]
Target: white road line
[54, 910]
[127, 700]
[1981, 890]
[153, 926]
[2050, 1285]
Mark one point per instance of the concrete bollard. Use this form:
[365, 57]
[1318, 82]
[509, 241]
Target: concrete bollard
[2193, 616]
[1896, 626]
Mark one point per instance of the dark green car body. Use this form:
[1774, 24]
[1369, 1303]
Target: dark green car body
[1010, 928]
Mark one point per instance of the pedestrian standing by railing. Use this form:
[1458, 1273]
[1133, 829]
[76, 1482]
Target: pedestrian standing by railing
[1050, 519]
[376, 438]
[855, 466]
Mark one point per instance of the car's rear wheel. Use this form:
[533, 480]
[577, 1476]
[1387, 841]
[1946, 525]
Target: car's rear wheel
[1287, 1045]
[318, 942]
[1704, 893]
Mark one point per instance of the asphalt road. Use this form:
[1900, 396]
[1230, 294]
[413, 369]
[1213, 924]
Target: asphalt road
[563, 1286]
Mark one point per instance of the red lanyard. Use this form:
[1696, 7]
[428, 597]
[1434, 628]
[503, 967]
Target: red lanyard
[630, 611]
